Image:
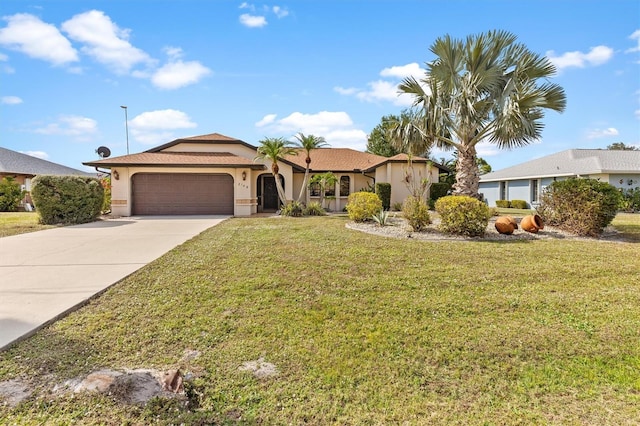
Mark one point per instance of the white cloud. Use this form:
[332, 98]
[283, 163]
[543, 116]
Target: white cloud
[105, 42]
[253, 21]
[154, 127]
[602, 133]
[637, 113]
[179, 74]
[11, 100]
[28, 34]
[635, 36]
[382, 90]
[38, 154]
[3, 57]
[80, 128]
[346, 90]
[280, 12]
[267, 119]
[596, 56]
[386, 90]
[336, 127]
[402, 71]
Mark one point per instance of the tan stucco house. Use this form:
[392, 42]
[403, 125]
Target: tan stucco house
[217, 174]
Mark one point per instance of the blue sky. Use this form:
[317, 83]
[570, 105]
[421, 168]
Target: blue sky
[252, 70]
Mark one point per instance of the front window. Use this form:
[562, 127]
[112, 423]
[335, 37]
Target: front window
[344, 186]
[534, 190]
[314, 189]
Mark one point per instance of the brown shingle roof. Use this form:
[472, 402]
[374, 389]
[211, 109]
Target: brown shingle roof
[178, 159]
[337, 160]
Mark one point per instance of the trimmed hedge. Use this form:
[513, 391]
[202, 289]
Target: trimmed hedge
[463, 215]
[383, 189]
[519, 204]
[580, 206]
[67, 199]
[361, 206]
[503, 204]
[439, 190]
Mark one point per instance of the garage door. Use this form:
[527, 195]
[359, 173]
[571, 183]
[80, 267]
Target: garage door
[182, 193]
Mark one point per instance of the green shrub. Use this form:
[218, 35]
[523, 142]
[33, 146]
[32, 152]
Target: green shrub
[503, 204]
[106, 184]
[383, 189]
[519, 204]
[314, 209]
[396, 207]
[361, 206]
[630, 200]
[439, 190]
[463, 215]
[416, 212]
[67, 199]
[580, 206]
[293, 209]
[10, 194]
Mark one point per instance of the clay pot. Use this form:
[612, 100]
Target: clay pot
[532, 223]
[506, 225]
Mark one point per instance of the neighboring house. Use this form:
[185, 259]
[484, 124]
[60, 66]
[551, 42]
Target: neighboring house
[217, 174]
[22, 168]
[526, 181]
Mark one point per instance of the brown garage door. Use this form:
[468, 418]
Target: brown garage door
[182, 193]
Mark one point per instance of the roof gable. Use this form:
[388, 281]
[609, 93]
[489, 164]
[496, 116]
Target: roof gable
[212, 138]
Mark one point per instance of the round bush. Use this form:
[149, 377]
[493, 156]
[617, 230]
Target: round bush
[10, 194]
[416, 212]
[67, 199]
[463, 215]
[361, 206]
[580, 206]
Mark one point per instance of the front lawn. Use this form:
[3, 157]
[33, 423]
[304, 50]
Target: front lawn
[14, 223]
[361, 329]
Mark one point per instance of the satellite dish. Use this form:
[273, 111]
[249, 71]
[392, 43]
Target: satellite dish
[103, 152]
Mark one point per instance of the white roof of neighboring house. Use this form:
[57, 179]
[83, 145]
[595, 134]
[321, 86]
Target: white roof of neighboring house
[572, 162]
[13, 162]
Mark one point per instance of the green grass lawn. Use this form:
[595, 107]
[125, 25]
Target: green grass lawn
[13, 223]
[362, 330]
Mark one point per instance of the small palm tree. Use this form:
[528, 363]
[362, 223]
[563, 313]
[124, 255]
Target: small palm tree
[484, 88]
[324, 180]
[308, 143]
[274, 149]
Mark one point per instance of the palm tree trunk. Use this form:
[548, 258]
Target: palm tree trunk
[467, 177]
[304, 184]
[281, 194]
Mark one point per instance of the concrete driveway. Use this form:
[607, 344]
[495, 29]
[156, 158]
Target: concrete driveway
[46, 274]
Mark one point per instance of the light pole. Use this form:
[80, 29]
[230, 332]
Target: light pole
[126, 125]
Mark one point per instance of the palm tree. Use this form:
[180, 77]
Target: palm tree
[484, 88]
[308, 143]
[274, 149]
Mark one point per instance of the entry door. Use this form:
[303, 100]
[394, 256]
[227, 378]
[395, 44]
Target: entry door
[269, 193]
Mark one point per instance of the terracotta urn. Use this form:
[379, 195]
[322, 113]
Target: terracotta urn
[506, 225]
[532, 223]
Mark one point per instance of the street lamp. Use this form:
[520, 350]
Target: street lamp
[126, 125]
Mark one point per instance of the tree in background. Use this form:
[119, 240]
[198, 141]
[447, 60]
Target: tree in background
[620, 146]
[484, 88]
[308, 143]
[275, 149]
[397, 134]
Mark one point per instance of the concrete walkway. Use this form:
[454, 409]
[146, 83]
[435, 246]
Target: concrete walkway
[46, 274]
